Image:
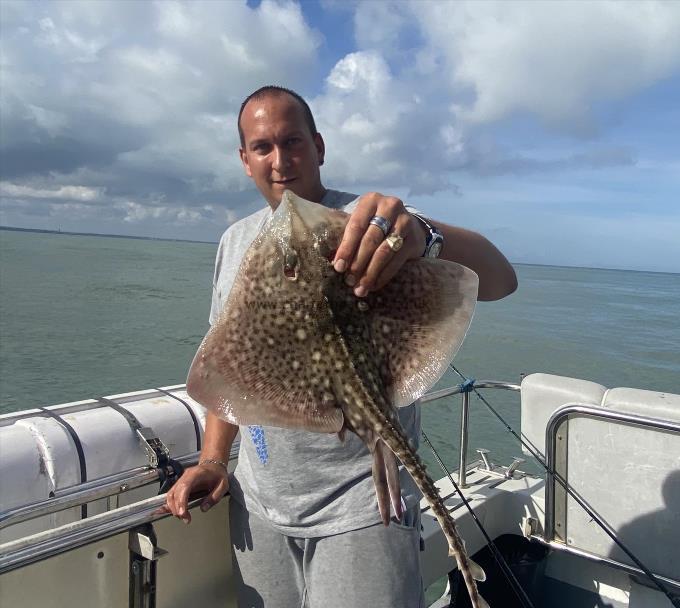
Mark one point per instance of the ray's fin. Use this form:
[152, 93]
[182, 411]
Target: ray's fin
[382, 492]
[477, 571]
[393, 481]
[386, 481]
[481, 602]
[418, 322]
[255, 365]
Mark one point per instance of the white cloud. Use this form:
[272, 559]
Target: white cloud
[67, 193]
[136, 108]
[140, 102]
[552, 59]
[406, 109]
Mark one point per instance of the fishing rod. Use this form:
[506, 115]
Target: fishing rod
[497, 555]
[675, 601]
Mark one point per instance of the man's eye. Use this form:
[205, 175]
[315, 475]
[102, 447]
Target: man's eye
[293, 141]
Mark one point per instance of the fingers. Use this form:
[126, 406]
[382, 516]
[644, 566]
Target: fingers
[195, 479]
[215, 496]
[385, 262]
[177, 500]
[363, 245]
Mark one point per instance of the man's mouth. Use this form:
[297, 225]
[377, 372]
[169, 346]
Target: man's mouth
[284, 182]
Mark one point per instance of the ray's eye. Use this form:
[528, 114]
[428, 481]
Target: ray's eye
[290, 265]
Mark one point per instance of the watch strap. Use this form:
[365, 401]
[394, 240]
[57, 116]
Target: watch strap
[433, 234]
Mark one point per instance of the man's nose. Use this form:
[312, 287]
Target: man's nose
[281, 159]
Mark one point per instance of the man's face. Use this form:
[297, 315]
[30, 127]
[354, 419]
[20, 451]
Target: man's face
[280, 152]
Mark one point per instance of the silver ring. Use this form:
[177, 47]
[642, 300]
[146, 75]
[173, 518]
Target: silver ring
[381, 222]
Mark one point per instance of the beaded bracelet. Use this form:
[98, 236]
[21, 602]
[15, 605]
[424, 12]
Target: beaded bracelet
[213, 461]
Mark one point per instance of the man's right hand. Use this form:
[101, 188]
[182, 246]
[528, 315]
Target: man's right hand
[208, 477]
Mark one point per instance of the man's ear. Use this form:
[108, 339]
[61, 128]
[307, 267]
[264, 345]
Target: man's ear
[320, 147]
[244, 160]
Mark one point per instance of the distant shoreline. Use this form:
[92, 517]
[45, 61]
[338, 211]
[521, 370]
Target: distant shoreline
[111, 236]
[156, 238]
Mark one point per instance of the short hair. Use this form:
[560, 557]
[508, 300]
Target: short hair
[274, 90]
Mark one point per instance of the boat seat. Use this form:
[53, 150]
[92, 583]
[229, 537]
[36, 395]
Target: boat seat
[642, 596]
[629, 474]
[542, 394]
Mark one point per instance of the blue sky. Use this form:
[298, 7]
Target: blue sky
[549, 127]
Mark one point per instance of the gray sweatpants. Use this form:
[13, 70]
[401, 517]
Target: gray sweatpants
[374, 567]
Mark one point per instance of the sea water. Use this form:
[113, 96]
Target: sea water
[86, 316]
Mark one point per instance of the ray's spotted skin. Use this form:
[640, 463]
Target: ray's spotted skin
[295, 348]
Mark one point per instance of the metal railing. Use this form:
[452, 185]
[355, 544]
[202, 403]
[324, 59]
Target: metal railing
[584, 411]
[102, 487]
[44, 544]
[559, 417]
[464, 390]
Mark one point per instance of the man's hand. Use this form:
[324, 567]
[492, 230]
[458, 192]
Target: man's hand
[363, 254]
[204, 477]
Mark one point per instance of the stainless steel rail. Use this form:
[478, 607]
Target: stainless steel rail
[16, 554]
[102, 487]
[586, 411]
[558, 546]
[465, 416]
[34, 548]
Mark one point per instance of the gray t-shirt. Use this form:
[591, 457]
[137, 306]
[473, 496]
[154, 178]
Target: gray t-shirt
[305, 484]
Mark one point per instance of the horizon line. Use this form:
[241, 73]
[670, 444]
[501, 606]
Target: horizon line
[175, 240]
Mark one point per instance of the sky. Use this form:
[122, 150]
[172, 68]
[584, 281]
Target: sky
[549, 127]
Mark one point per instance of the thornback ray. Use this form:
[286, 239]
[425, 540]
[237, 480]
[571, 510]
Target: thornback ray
[295, 348]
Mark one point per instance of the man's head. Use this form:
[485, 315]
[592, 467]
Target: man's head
[280, 146]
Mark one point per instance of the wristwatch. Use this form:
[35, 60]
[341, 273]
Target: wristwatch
[434, 241]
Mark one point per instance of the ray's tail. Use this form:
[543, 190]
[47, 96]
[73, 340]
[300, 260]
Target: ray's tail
[471, 571]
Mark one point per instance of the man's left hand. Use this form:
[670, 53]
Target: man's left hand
[363, 255]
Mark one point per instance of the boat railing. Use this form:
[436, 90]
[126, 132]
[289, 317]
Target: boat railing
[464, 389]
[49, 542]
[124, 481]
[555, 525]
[17, 553]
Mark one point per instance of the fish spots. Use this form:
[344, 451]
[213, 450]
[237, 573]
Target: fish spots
[386, 329]
[316, 355]
[280, 320]
[295, 365]
[301, 334]
[339, 365]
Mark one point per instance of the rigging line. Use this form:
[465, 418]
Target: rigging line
[497, 555]
[563, 482]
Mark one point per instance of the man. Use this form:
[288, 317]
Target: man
[304, 522]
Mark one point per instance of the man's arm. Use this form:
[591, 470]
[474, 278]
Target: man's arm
[368, 262]
[497, 277]
[211, 477]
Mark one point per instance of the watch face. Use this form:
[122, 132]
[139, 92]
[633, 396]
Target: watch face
[435, 250]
